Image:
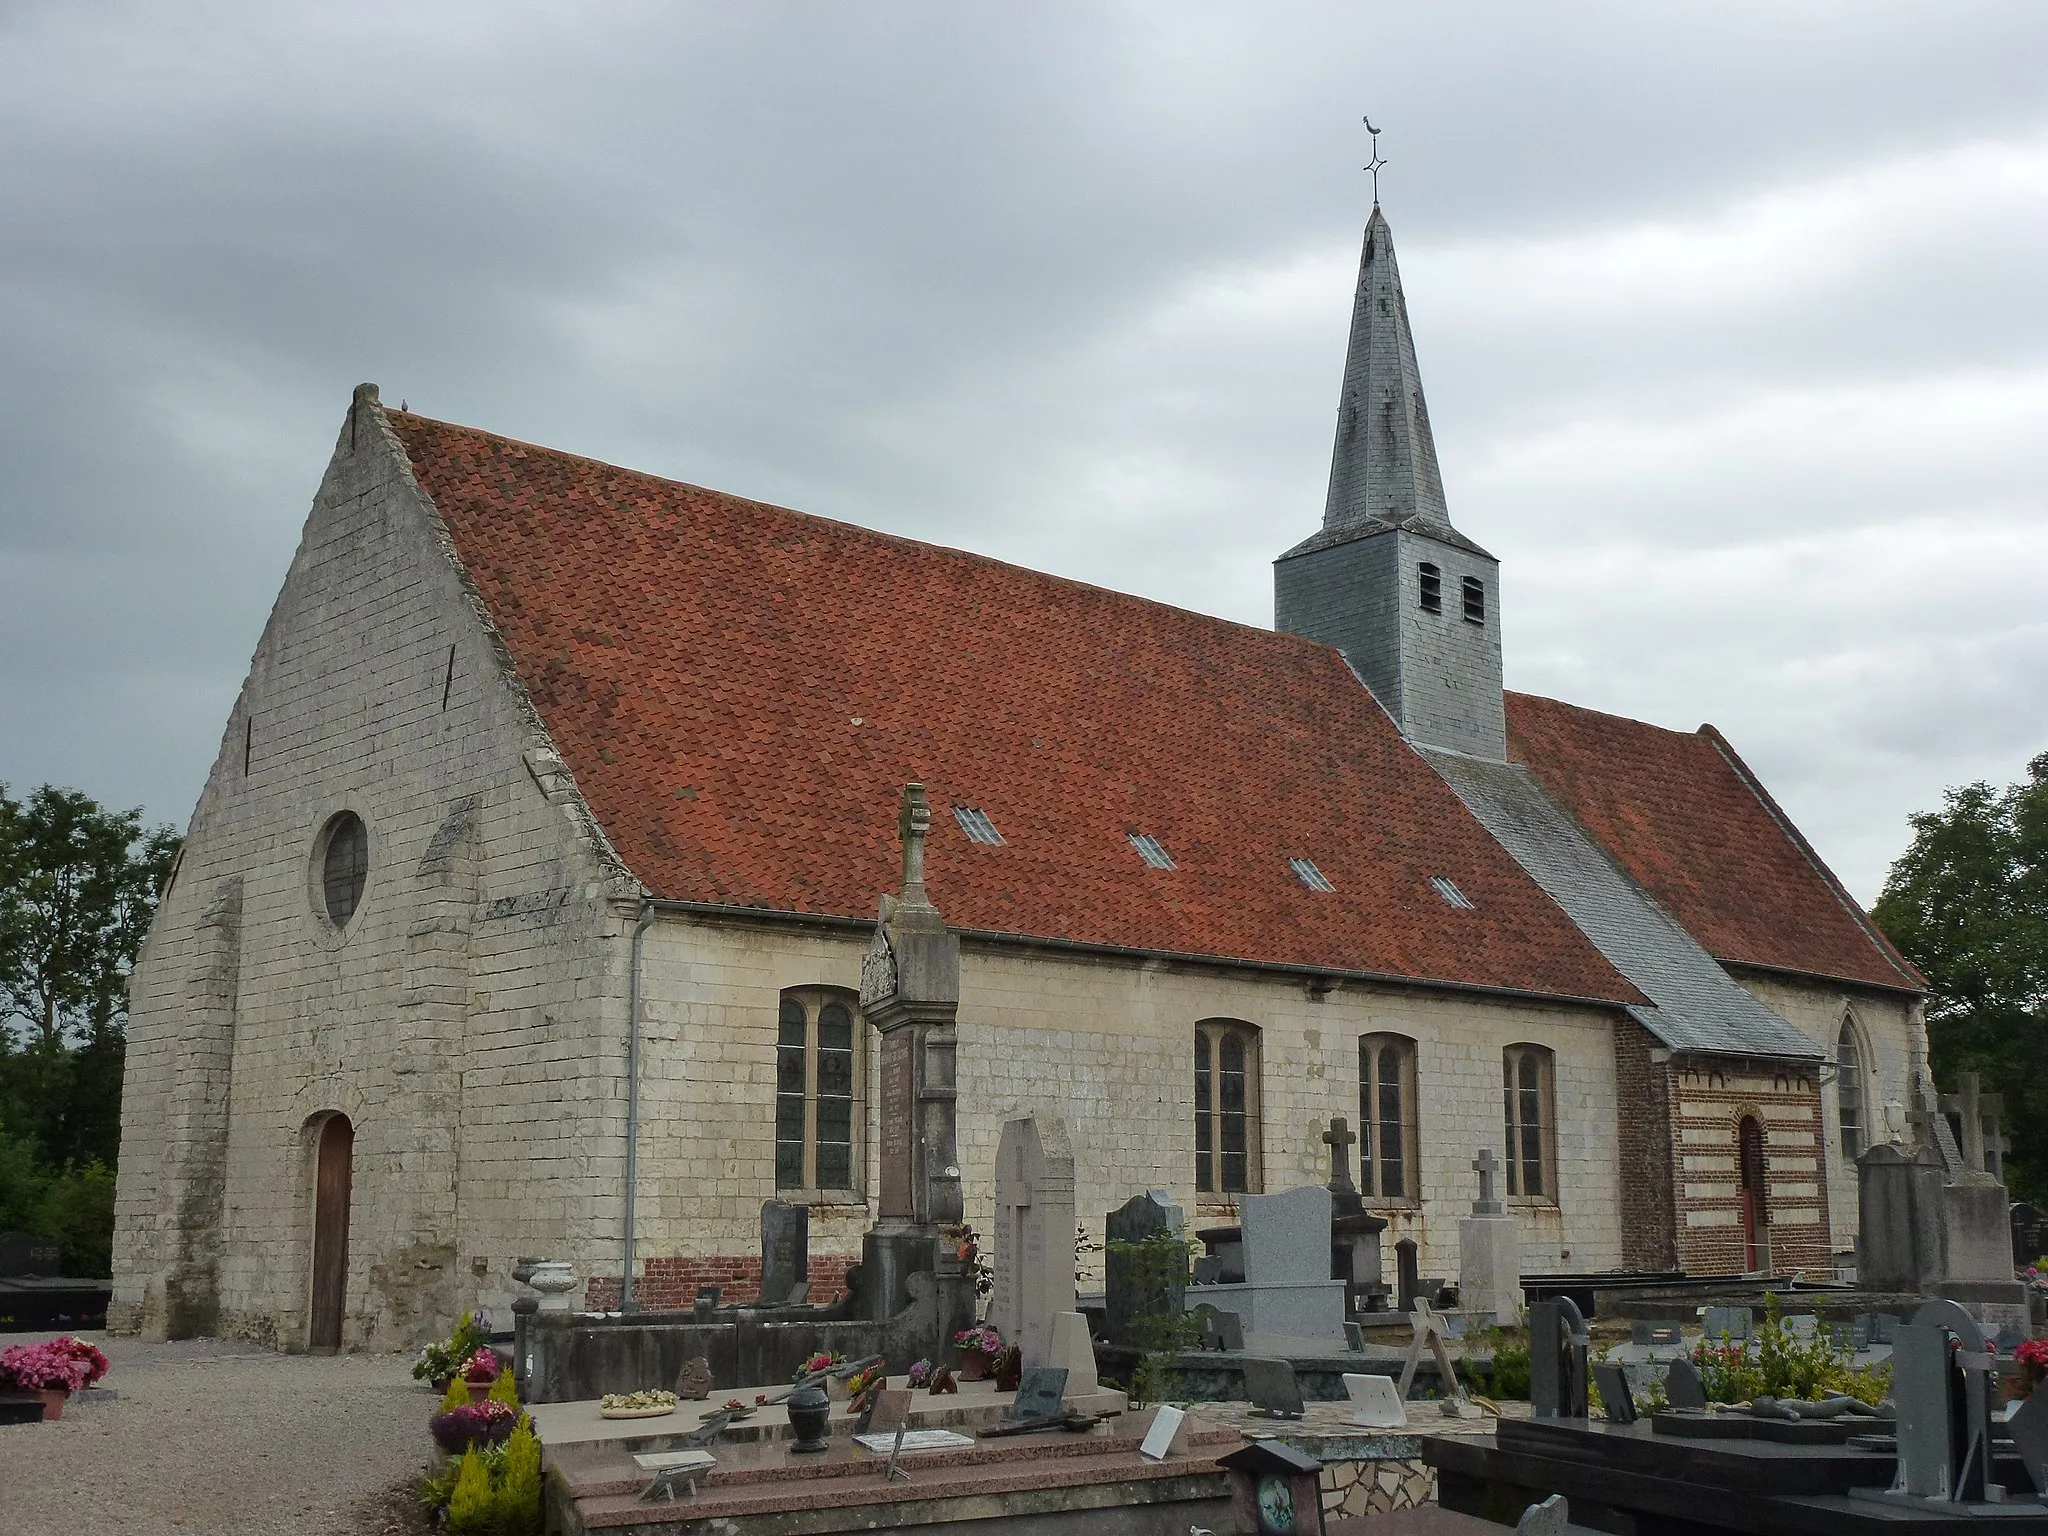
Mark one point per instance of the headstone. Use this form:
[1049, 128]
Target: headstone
[1220, 1330]
[785, 1249]
[1655, 1331]
[1271, 1386]
[1616, 1400]
[910, 994]
[1208, 1270]
[1802, 1327]
[2029, 1426]
[1354, 1337]
[1375, 1401]
[1408, 1283]
[1039, 1393]
[2029, 1234]
[1354, 1231]
[1489, 1253]
[1926, 1427]
[1727, 1322]
[1034, 1250]
[1074, 1352]
[1287, 1289]
[1552, 1517]
[22, 1255]
[1557, 1360]
[693, 1382]
[708, 1297]
[1682, 1385]
[1131, 1288]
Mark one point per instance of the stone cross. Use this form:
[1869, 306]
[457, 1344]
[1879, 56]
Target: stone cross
[1338, 1138]
[1486, 1167]
[1034, 1234]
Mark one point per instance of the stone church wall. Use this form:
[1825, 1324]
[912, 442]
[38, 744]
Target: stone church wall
[453, 1020]
[1107, 1044]
[1889, 1025]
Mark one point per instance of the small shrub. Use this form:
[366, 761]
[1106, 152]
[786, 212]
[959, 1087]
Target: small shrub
[504, 1390]
[456, 1395]
[472, 1509]
[1508, 1378]
[518, 1495]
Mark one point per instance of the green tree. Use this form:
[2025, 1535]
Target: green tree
[1968, 904]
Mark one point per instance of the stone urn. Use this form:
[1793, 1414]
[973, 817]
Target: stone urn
[554, 1279]
[810, 1411]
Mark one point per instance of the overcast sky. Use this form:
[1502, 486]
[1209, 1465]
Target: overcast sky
[1731, 318]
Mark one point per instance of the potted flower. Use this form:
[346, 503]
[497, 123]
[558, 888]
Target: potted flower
[2033, 1361]
[479, 1371]
[53, 1370]
[439, 1364]
[486, 1423]
[974, 1349]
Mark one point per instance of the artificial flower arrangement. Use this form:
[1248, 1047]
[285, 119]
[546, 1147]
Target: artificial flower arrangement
[823, 1360]
[860, 1383]
[633, 1401]
[481, 1366]
[60, 1365]
[442, 1363]
[486, 1423]
[2032, 1356]
[983, 1339]
[920, 1373]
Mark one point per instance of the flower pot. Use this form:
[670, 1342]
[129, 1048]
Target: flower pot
[478, 1390]
[53, 1401]
[970, 1365]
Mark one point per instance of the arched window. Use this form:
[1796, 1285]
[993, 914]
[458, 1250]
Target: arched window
[344, 867]
[1388, 1144]
[1849, 1089]
[1226, 1108]
[1429, 582]
[1475, 600]
[1528, 1092]
[818, 1093]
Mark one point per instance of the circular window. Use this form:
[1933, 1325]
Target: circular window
[344, 866]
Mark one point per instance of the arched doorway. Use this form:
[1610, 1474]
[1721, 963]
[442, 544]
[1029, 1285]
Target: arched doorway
[330, 1232]
[1756, 1219]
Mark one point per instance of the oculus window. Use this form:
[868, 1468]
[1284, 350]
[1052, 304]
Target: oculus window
[344, 867]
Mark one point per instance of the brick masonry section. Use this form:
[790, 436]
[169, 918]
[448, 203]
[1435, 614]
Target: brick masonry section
[671, 1283]
[1643, 1135]
[1709, 1103]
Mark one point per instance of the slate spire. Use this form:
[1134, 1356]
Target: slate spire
[1384, 462]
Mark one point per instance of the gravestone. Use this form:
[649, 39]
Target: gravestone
[1034, 1251]
[1557, 1360]
[1616, 1400]
[1271, 1386]
[1655, 1331]
[1489, 1253]
[910, 994]
[1354, 1231]
[1134, 1286]
[1682, 1385]
[2029, 1234]
[1408, 1283]
[1039, 1393]
[2029, 1427]
[785, 1252]
[1287, 1290]
[1220, 1330]
[1899, 1219]
[1726, 1322]
[22, 1255]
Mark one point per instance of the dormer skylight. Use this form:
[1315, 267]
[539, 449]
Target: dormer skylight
[1151, 850]
[977, 826]
[1305, 870]
[1453, 897]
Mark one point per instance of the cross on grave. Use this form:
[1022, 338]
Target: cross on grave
[1485, 1166]
[1430, 1332]
[1339, 1138]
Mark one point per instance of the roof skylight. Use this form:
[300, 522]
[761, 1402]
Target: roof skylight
[977, 826]
[1151, 850]
[1305, 870]
[1453, 897]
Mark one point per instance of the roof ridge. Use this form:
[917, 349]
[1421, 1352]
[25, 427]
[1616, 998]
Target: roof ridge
[862, 530]
[1604, 714]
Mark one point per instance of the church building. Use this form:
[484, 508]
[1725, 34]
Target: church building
[523, 910]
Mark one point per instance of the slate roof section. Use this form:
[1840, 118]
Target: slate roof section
[1698, 1007]
[1692, 825]
[741, 691]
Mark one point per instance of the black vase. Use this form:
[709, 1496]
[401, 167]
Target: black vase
[809, 1412]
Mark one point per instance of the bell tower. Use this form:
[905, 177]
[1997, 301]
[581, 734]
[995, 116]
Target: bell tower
[1412, 603]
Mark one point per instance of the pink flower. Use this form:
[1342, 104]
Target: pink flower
[2033, 1352]
[60, 1365]
[482, 1366]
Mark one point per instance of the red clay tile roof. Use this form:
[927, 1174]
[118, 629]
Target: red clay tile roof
[742, 691]
[1695, 828]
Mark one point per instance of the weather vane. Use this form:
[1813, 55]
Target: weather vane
[1377, 162]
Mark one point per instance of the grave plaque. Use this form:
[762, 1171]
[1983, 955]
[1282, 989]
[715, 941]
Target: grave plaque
[1034, 1249]
[1682, 1385]
[1616, 1400]
[1271, 1386]
[896, 1116]
[785, 1250]
[1039, 1393]
[1726, 1322]
[1164, 1436]
[2029, 1234]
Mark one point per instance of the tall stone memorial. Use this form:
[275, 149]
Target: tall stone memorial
[910, 993]
[1034, 1257]
[1489, 1253]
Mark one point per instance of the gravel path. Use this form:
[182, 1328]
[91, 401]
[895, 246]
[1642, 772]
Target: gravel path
[215, 1436]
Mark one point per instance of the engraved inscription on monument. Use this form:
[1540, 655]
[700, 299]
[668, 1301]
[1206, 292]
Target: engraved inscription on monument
[898, 1124]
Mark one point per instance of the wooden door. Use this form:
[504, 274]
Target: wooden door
[330, 1232]
[1755, 1215]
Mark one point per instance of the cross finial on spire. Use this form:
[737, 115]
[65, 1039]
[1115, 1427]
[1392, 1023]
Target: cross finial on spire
[1374, 167]
[912, 822]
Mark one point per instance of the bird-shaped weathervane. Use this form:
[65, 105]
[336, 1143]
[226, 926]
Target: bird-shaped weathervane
[1377, 162]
